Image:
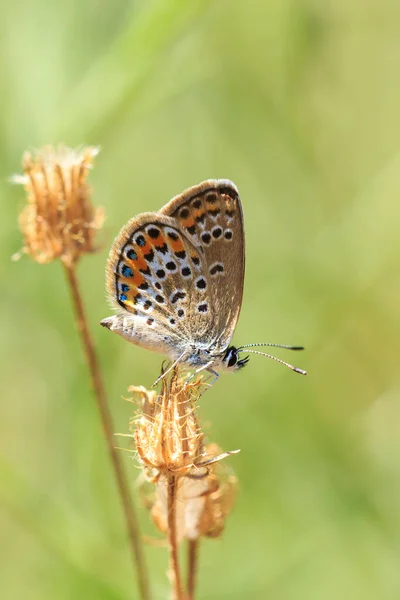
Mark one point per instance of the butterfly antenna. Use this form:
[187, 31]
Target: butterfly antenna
[278, 360]
[274, 345]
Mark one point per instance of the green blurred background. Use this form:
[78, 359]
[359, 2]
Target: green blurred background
[298, 103]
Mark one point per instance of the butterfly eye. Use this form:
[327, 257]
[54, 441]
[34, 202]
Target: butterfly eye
[231, 357]
[232, 360]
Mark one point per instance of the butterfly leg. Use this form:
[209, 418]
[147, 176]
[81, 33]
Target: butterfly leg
[169, 369]
[216, 376]
[206, 367]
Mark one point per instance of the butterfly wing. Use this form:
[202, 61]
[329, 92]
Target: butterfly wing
[154, 280]
[211, 213]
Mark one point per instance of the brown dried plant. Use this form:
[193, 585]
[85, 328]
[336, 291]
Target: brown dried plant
[60, 222]
[193, 495]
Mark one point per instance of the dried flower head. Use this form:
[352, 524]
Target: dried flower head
[59, 220]
[167, 434]
[170, 444]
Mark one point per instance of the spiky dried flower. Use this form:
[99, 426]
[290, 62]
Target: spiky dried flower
[59, 220]
[170, 444]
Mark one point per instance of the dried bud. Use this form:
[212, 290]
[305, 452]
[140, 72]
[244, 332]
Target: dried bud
[202, 504]
[170, 443]
[59, 220]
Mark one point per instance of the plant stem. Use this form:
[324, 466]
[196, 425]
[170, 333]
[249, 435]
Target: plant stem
[106, 420]
[193, 554]
[172, 539]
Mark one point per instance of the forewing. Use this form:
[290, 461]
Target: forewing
[211, 213]
[155, 273]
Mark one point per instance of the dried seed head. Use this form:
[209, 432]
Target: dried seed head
[59, 220]
[170, 443]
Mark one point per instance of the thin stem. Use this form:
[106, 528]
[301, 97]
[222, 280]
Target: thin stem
[106, 420]
[193, 555]
[172, 539]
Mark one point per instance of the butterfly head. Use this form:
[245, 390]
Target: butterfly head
[231, 360]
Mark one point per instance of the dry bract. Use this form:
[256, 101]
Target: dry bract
[59, 220]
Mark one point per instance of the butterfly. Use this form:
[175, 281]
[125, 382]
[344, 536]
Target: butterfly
[176, 276]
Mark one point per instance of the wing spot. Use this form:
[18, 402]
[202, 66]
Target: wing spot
[180, 254]
[125, 287]
[178, 295]
[144, 286]
[161, 274]
[150, 321]
[228, 234]
[214, 212]
[171, 266]
[201, 283]
[228, 191]
[230, 213]
[123, 297]
[149, 256]
[216, 268]
[200, 218]
[160, 299]
[195, 260]
[131, 254]
[186, 272]
[173, 236]
[197, 203]
[211, 197]
[153, 232]
[180, 313]
[163, 249]
[172, 321]
[184, 213]
[206, 238]
[157, 285]
[140, 240]
[216, 232]
[147, 305]
[192, 229]
[127, 271]
[203, 307]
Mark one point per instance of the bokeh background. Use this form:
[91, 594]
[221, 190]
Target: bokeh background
[298, 103]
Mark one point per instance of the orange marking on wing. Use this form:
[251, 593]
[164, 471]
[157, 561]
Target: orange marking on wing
[188, 222]
[139, 263]
[177, 245]
[198, 212]
[130, 303]
[138, 278]
[134, 281]
[160, 241]
[147, 247]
